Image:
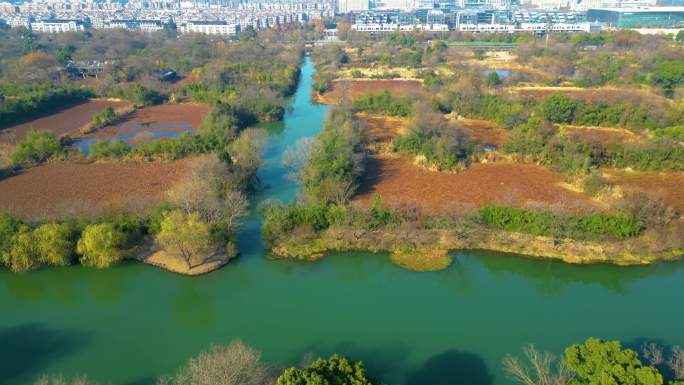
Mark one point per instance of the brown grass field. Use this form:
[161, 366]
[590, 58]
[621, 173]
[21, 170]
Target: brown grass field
[398, 181]
[385, 128]
[66, 121]
[382, 128]
[353, 88]
[485, 132]
[68, 188]
[667, 186]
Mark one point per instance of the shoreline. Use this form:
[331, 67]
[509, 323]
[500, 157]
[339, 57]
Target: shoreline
[344, 239]
[153, 256]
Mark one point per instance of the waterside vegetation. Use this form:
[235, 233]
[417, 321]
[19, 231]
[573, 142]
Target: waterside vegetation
[594, 361]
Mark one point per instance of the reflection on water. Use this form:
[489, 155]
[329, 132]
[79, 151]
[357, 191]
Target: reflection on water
[503, 74]
[138, 133]
[408, 327]
[553, 277]
[193, 309]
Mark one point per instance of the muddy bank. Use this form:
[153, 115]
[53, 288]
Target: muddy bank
[167, 117]
[65, 122]
[152, 255]
[342, 239]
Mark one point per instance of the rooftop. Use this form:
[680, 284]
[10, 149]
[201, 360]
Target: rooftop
[641, 9]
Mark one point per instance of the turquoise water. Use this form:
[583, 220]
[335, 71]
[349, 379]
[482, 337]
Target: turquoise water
[503, 74]
[131, 323]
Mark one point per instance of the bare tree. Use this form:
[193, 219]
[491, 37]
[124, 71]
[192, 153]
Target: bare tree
[541, 368]
[234, 364]
[186, 236]
[676, 362]
[296, 156]
[652, 353]
[208, 192]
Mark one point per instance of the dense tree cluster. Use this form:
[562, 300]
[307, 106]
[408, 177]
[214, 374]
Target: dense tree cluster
[442, 144]
[540, 141]
[254, 74]
[335, 161]
[597, 362]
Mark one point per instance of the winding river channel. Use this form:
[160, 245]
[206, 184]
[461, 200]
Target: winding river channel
[129, 324]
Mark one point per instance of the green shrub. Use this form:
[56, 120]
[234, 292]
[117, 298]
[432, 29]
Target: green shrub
[559, 108]
[138, 94]
[383, 103]
[446, 153]
[674, 132]
[38, 147]
[335, 370]
[335, 162]
[29, 101]
[280, 220]
[105, 149]
[594, 184]
[605, 362]
[24, 254]
[594, 226]
[103, 118]
[54, 243]
[379, 216]
[8, 229]
[101, 245]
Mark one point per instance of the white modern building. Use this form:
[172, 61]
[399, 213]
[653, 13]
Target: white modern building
[346, 6]
[141, 25]
[376, 27]
[16, 22]
[217, 27]
[57, 26]
[525, 27]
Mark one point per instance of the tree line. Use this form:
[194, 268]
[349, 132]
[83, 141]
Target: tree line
[595, 361]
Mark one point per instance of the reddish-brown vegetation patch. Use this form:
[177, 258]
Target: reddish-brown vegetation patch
[69, 188]
[168, 117]
[667, 186]
[382, 128]
[601, 135]
[398, 181]
[67, 121]
[485, 132]
[353, 88]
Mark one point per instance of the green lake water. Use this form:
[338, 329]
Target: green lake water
[128, 324]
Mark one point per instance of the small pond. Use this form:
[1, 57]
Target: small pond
[136, 133]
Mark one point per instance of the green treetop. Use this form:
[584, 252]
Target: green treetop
[598, 362]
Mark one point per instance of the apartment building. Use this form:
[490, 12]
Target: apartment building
[209, 27]
[57, 26]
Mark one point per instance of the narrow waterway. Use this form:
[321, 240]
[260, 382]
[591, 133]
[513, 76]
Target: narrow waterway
[127, 325]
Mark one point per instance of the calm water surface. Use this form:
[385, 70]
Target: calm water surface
[131, 323]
